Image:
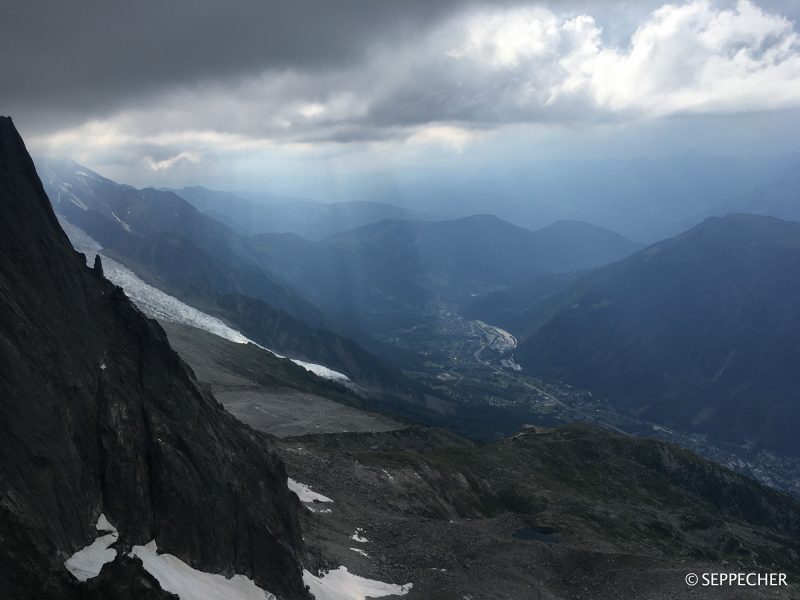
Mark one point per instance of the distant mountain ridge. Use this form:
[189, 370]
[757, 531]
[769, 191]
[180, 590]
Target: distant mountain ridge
[406, 264]
[700, 332]
[644, 198]
[276, 214]
[110, 212]
[486, 247]
[363, 279]
[780, 198]
[176, 248]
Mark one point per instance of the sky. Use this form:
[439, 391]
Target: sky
[297, 95]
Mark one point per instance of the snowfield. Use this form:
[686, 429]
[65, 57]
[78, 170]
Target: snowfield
[319, 510]
[177, 577]
[305, 493]
[160, 305]
[340, 584]
[88, 562]
[321, 371]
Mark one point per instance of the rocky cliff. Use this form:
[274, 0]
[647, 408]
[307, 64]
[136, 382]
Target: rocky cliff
[99, 415]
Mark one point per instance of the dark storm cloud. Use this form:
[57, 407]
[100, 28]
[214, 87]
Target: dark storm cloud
[89, 57]
[160, 83]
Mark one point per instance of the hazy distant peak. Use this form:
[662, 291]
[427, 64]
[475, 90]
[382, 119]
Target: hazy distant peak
[576, 226]
[480, 217]
[772, 230]
[66, 169]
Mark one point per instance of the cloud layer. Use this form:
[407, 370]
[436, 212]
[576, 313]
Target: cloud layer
[302, 76]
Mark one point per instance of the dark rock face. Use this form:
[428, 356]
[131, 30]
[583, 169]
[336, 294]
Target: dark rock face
[574, 512]
[98, 414]
[124, 580]
[98, 264]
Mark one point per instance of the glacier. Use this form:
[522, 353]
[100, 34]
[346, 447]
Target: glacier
[157, 304]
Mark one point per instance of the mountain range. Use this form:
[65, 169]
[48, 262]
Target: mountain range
[122, 476]
[780, 198]
[353, 283]
[692, 333]
[698, 332]
[254, 214]
[644, 198]
[172, 245]
[381, 272]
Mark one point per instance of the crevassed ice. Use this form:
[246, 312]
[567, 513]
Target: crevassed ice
[340, 584]
[88, 562]
[176, 577]
[160, 305]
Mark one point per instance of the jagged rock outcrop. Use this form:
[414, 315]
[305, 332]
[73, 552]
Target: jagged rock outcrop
[99, 414]
[98, 264]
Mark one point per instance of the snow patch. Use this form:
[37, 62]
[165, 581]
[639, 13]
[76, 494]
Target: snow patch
[75, 200]
[360, 551]
[343, 585]
[88, 562]
[358, 537]
[103, 525]
[305, 493]
[177, 577]
[121, 222]
[322, 371]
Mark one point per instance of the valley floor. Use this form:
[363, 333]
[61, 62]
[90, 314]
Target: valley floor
[473, 362]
